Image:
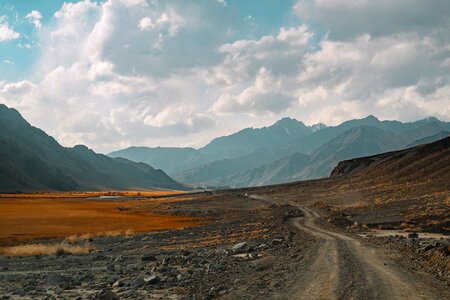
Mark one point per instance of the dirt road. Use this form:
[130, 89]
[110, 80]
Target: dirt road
[345, 268]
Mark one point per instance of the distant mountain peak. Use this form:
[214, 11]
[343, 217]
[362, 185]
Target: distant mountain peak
[431, 119]
[371, 118]
[286, 121]
[317, 127]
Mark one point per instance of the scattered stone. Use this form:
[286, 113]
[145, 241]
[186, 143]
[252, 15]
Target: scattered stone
[276, 242]
[110, 268]
[428, 247]
[262, 247]
[118, 283]
[106, 294]
[215, 268]
[56, 279]
[239, 248]
[413, 235]
[137, 282]
[128, 293]
[152, 279]
[148, 257]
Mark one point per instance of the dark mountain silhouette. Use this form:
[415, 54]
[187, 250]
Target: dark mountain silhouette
[429, 162]
[31, 160]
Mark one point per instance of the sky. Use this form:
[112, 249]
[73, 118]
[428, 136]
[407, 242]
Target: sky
[115, 73]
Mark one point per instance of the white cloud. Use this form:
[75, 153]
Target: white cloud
[35, 18]
[266, 95]
[122, 72]
[6, 32]
[280, 54]
[344, 19]
[146, 23]
[223, 2]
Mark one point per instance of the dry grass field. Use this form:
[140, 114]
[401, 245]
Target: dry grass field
[51, 195]
[61, 215]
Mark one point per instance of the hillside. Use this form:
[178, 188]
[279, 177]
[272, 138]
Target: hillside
[31, 160]
[429, 162]
[248, 140]
[355, 142]
[170, 159]
[430, 139]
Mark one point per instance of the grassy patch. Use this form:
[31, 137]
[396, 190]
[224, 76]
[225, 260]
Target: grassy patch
[45, 249]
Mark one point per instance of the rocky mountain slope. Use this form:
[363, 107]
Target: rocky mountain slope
[31, 160]
[268, 155]
[429, 161]
[170, 159]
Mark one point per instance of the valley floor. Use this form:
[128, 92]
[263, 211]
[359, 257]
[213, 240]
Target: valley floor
[308, 240]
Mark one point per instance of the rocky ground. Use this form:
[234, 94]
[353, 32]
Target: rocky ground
[274, 245]
[246, 251]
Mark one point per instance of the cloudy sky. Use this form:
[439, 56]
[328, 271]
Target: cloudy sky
[115, 73]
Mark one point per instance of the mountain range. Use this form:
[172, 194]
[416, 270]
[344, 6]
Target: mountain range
[31, 160]
[286, 151]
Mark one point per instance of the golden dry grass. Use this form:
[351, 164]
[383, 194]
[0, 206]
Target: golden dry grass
[26, 219]
[59, 195]
[45, 249]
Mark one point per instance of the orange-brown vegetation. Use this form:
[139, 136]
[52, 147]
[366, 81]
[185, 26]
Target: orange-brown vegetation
[33, 217]
[45, 249]
[51, 195]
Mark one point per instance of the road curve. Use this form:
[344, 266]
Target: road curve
[330, 274]
[344, 268]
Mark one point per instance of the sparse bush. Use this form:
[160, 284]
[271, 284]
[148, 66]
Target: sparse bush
[45, 249]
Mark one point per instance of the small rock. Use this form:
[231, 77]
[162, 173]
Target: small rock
[148, 257]
[106, 294]
[262, 247]
[128, 293]
[138, 282]
[428, 247]
[19, 292]
[118, 283]
[276, 242]
[215, 268]
[110, 268]
[240, 247]
[152, 279]
[413, 235]
[56, 279]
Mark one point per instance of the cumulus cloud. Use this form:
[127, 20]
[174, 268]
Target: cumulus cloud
[281, 54]
[122, 72]
[6, 32]
[266, 95]
[35, 18]
[344, 19]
